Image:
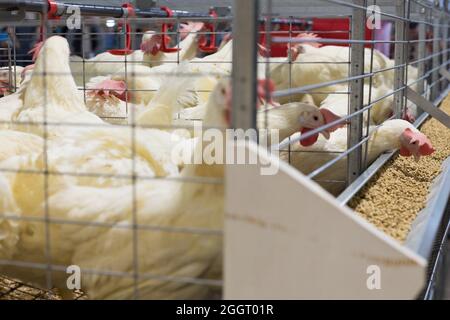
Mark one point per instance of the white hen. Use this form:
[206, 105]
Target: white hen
[51, 96]
[391, 135]
[165, 207]
[10, 79]
[313, 65]
[149, 55]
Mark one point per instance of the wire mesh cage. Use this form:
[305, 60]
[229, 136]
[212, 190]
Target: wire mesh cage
[128, 162]
[96, 111]
[370, 68]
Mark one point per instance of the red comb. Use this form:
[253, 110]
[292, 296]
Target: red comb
[263, 51]
[266, 84]
[426, 149]
[36, 50]
[153, 45]
[310, 35]
[265, 87]
[408, 116]
[189, 27]
[329, 117]
[27, 68]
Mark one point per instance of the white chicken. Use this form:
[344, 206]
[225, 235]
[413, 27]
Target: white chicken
[16, 143]
[285, 119]
[169, 205]
[381, 98]
[313, 64]
[219, 62]
[51, 96]
[81, 134]
[152, 46]
[391, 135]
[150, 55]
[10, 104]
[77, 140]
[114, 97]
[10, 79]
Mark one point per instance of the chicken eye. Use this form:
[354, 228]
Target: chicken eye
[223, 91]
[316, 118]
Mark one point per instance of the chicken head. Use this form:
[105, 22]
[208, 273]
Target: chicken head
[264, 90]
[4, 87]
[296, 49]
[151, 43]
[36, 50]
[222, 96]
[415, 143]
[314, 118]
[407, 115]
[190, 27]
[111, 87]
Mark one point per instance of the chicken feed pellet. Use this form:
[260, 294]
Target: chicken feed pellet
[398, 192]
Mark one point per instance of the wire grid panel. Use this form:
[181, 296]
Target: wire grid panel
[405, 48]
[6, 69]
[69, 225]
[129, 246]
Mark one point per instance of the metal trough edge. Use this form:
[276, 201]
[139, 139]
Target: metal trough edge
[354, 187]
[426, 225]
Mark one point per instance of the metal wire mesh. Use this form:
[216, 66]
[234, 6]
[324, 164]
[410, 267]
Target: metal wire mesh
[428, 52]
[47, 267]
[416, 51]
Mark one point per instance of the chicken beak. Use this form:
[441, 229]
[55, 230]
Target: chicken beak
[325, 134]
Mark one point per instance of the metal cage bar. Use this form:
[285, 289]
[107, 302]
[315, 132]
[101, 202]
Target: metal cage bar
[244, 65]
[436, 61]
[246, 29]
[399, 74]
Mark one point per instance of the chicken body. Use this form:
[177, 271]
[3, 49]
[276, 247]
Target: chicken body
[10, 79]
[285, 119]
[11, 104]
[105, 64]
[188, 50]
[51, 96]
[165, 210]
[318, 65]
[381, 97]
[307, 159]
[145, 91]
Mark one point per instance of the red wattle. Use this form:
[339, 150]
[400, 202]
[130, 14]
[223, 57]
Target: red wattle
[405, 152]
[308, 141]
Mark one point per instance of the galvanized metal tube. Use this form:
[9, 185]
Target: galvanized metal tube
[436, 62]
[421, 54]
[399, 74]
[244, 64]
[356, 96]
